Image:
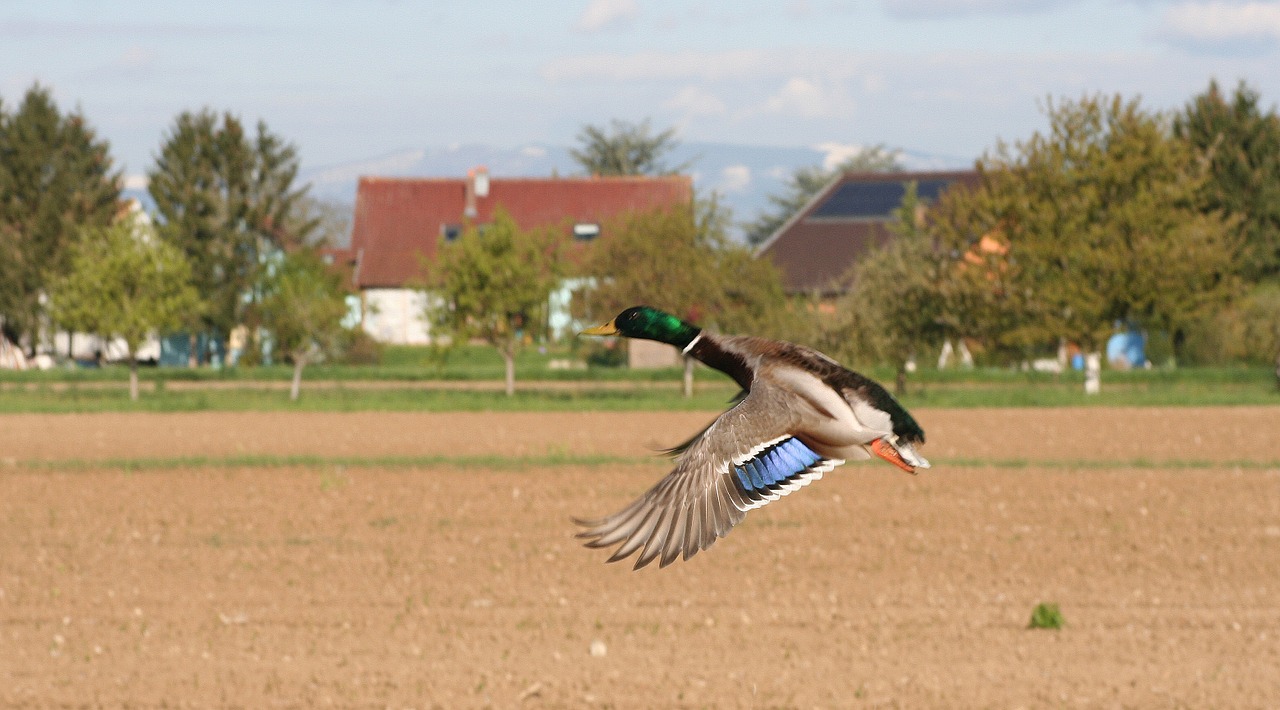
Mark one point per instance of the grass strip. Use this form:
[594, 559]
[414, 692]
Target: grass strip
[342, 399]
[335, 397]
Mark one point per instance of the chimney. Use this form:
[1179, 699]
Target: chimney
[477, 187]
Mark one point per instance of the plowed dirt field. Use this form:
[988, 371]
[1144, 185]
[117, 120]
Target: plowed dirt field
[126, 581]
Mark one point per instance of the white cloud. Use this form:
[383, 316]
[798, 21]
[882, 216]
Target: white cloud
[399, 163]
[606, 15]
[134, 63]
[809, 98]
[136, 57]
[735, 178]
[685, 65]
[799, 8]
[135, 182]
[874, 83]
[1223, 23]
[837, 153]
[932, 9]
[695, 101]
[533, 151]
[798, 95]
[949, 102]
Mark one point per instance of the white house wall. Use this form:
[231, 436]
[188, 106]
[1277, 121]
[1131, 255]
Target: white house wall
[559, 318]
[395, 316]
[84, 346]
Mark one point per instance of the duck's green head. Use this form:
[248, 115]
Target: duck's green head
[649, 324]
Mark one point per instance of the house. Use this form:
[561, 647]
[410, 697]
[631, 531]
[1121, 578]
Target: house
[400, 222]
[815, 248]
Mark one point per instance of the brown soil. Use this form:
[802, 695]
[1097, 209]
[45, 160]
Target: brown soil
[461, 586]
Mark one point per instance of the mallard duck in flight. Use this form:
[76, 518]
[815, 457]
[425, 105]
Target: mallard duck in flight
[800, 414]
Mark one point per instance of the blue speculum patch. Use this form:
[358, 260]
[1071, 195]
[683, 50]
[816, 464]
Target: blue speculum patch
[775, 465]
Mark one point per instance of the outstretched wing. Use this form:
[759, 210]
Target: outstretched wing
[746, 458]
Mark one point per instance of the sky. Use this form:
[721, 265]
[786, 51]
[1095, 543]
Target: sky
[347, 80]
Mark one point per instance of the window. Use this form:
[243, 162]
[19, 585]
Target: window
[586, 231]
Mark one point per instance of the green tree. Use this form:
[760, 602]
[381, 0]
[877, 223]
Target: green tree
[228, 200]
[895, 293]
[1104, 223]
[1242, 146]
[625, 148]
[977, 300]
[1261, 319]
[124, 282]
[55, 176]
[302, 305]
[1246, 330]
[682, 261]
[806, 182]
[493, 284]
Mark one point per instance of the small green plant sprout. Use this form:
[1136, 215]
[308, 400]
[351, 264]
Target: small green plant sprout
[1045, 616]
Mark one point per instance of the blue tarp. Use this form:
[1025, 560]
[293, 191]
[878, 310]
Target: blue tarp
[1127, 349]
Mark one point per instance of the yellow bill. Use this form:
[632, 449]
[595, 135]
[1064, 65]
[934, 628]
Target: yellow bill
[606, 329]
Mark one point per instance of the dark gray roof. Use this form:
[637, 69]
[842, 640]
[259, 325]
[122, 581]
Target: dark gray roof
[821, 242]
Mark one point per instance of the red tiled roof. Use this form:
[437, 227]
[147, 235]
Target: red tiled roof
[342, 261]
[398, 221]
[816, 247]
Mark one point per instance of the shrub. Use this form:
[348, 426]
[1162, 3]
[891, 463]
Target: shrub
[1246, 331]
[606, 354]
[1045, 616]
[360, 348]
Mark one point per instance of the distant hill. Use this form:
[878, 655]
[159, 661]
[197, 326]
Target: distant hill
[743, 175]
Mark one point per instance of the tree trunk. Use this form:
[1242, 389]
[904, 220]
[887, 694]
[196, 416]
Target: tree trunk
[900, 380]
[133, 378]
[688, 376]
[509, 359]
[299, 362]
[192, 357]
